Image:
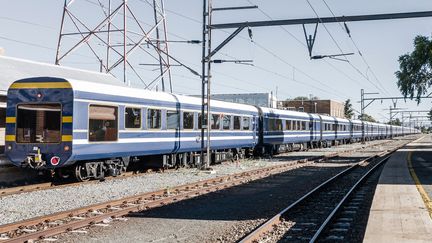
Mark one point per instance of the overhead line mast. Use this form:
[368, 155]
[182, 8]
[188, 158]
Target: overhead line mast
[240, 26]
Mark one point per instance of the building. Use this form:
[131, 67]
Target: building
[258, 99]
[327, 107]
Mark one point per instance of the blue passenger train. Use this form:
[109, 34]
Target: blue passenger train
[90, 130]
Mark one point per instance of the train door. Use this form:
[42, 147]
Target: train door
[311, 128]
[254, 128]
[320, 128]
[336, 126]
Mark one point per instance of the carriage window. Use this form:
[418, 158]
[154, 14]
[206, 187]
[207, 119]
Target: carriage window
[205, 120]
[236, 123]
[154, 119]
[173, 120]
[275, 124]
[288, 125]
[215, 121]
[246, 123]
[102, 123]
[304, 126]
[226, 122]
[188, 119]
[38, 123]
[132, 117]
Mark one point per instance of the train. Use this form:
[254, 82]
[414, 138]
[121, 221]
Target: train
[89, 130]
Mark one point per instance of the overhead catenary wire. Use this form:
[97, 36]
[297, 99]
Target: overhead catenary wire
[304, 45]
[268, 51]
[340, 49]
[361, 54]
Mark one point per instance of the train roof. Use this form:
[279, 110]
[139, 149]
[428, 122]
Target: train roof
[123, 90]
[267, 110]
[12, 69]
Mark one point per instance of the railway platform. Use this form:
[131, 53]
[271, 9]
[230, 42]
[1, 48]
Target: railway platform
[401, 208]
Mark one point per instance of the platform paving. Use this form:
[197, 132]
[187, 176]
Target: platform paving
[398, 212]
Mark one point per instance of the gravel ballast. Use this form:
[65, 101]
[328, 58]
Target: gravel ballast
[38, 203]
[32, 204]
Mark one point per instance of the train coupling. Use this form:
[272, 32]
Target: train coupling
[34, 160]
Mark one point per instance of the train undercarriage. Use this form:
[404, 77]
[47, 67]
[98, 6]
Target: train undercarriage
[99, 169]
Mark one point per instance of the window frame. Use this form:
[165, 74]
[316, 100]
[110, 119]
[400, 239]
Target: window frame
[242, 123]
[147, 122]
[230, 121]
[141, 117]
[212, 118]
[193, 120]
[36, 103]
[166, 120]
[88, 122]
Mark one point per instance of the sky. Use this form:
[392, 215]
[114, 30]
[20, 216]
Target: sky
[281, 63]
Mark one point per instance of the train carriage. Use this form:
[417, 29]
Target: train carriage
[89, 129]
[98, 128]
[283, 129]
[329, 128]
[343, 130]
[356, 130]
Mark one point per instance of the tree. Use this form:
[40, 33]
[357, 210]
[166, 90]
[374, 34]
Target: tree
[415, 74]
[430, 115]
[301, 98]
[348, 110]
[395, 122]
[367, 117]
[306, 98]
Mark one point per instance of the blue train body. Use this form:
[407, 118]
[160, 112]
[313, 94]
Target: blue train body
[53, 123]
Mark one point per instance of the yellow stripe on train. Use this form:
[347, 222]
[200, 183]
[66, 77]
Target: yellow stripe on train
[67, 138]
[41, 85]
[10, 138]
[11, 119]
[67, 119]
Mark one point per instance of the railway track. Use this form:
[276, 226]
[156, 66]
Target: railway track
[51, 185]
[310, 217]
[50, 225]
[46, 227]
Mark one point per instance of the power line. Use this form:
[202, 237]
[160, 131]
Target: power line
[299, 70]
[356, 46]
[340, 49]
[304, 45]
[268, 51]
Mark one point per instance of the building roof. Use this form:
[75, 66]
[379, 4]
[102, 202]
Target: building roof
[12, 69]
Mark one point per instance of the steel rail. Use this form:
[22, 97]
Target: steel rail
[51, 185]
[275, 220]
[137, 203]
[46, 226]
[267, 226]
[348, 194]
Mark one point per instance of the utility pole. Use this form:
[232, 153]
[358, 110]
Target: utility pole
[362, 104]
[363, 107]
[206, 61]
[205, 155]
[239, 27]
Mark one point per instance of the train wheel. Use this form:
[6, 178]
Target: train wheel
[81, 173]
